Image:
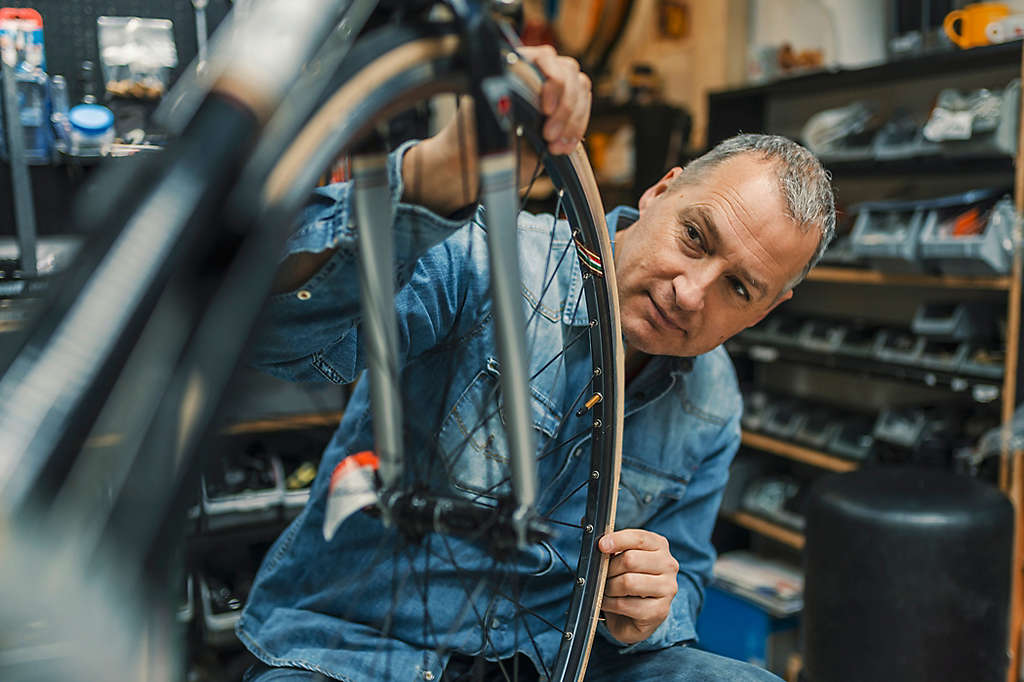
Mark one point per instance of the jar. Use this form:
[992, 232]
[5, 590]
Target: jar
[92, 130]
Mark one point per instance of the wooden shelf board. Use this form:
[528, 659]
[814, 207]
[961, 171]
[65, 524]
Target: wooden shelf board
[286, 422]
[766, 528]
[857, 276]
[283, 423]
[796, 452]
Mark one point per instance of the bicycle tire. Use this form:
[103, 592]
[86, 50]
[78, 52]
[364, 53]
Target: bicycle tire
[386, 72]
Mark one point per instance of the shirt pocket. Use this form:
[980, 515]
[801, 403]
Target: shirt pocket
[642, 492]
[473, 441]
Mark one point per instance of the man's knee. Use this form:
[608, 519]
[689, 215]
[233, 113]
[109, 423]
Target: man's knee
[703, 666]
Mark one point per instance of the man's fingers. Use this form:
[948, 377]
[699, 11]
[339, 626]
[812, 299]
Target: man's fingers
[632, 538]
[580, 116]
[640, 585]
[545, 58]
[640, 561]
[637, 608]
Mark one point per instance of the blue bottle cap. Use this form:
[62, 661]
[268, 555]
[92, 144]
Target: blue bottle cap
[91, 119]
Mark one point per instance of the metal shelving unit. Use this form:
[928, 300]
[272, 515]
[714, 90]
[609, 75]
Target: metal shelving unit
[749, 109]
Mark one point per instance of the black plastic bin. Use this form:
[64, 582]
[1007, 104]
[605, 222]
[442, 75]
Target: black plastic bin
[907, 577]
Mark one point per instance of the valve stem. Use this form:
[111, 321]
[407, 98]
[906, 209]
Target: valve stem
[594, 400]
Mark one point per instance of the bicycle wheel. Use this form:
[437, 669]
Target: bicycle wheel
[505, 602]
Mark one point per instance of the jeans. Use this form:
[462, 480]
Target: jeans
[675, 664]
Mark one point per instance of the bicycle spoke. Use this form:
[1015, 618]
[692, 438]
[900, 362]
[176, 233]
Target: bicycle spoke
[533, 178]
[566, 498]
[561, 558]
[494, 410]
[480, 619]
[536, 649]
[563, 523]
[530, 611]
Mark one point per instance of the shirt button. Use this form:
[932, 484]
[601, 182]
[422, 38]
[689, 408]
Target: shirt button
[304, 295]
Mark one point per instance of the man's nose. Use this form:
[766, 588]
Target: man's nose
[690, 290]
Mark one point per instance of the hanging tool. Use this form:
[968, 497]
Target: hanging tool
[24, 209]
[201, 32]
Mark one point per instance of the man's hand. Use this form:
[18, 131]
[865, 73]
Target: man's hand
[440, 172]
[641, 583]
[564, 98]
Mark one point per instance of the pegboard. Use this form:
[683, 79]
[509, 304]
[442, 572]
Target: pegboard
[69, 29]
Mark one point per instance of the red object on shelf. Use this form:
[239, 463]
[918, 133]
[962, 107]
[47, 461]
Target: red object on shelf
[26, 14]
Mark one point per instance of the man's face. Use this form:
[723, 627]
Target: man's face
[706, 261]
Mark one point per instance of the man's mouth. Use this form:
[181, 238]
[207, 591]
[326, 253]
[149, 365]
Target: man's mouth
[663, 319]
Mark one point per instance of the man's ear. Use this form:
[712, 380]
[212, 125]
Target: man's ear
[785, 297]
[658, 188]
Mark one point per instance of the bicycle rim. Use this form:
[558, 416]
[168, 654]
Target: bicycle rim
[386, 73]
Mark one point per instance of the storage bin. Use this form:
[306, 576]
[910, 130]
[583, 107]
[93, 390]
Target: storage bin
[783, 418]
[822, 336]
[946, 356]
[222, 607]
[953, 321]
[885, 234]
[861, 341]
[776, 497]
[904, 428]
[732, 626]
[853, 438]
[998, 139]
[817, 428]
[755, 405]
[242, 489]
[984, 362]
[840, 252]
[786, 331]
[969, 235]
[899, 347]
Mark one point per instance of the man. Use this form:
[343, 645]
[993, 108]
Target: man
[712, 249]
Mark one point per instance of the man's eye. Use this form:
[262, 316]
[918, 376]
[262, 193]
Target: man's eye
[739, 288]
[693, 234]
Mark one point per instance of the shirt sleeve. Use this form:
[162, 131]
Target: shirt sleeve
[312, 332]
[687, 526]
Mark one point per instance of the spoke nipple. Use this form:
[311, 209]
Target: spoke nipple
[593, 323]
[595, 475]
[511, 58]
[428, 675]
[581, 580]
[597, 423]
[597, 371]
[519, 131]
[588, 529]
[567, 635]
[561, 193]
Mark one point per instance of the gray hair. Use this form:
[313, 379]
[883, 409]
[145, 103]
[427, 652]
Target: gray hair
[805, 185]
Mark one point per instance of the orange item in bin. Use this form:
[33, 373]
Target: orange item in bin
[969, 223]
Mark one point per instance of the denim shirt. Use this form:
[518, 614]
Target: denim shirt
[681, 432]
